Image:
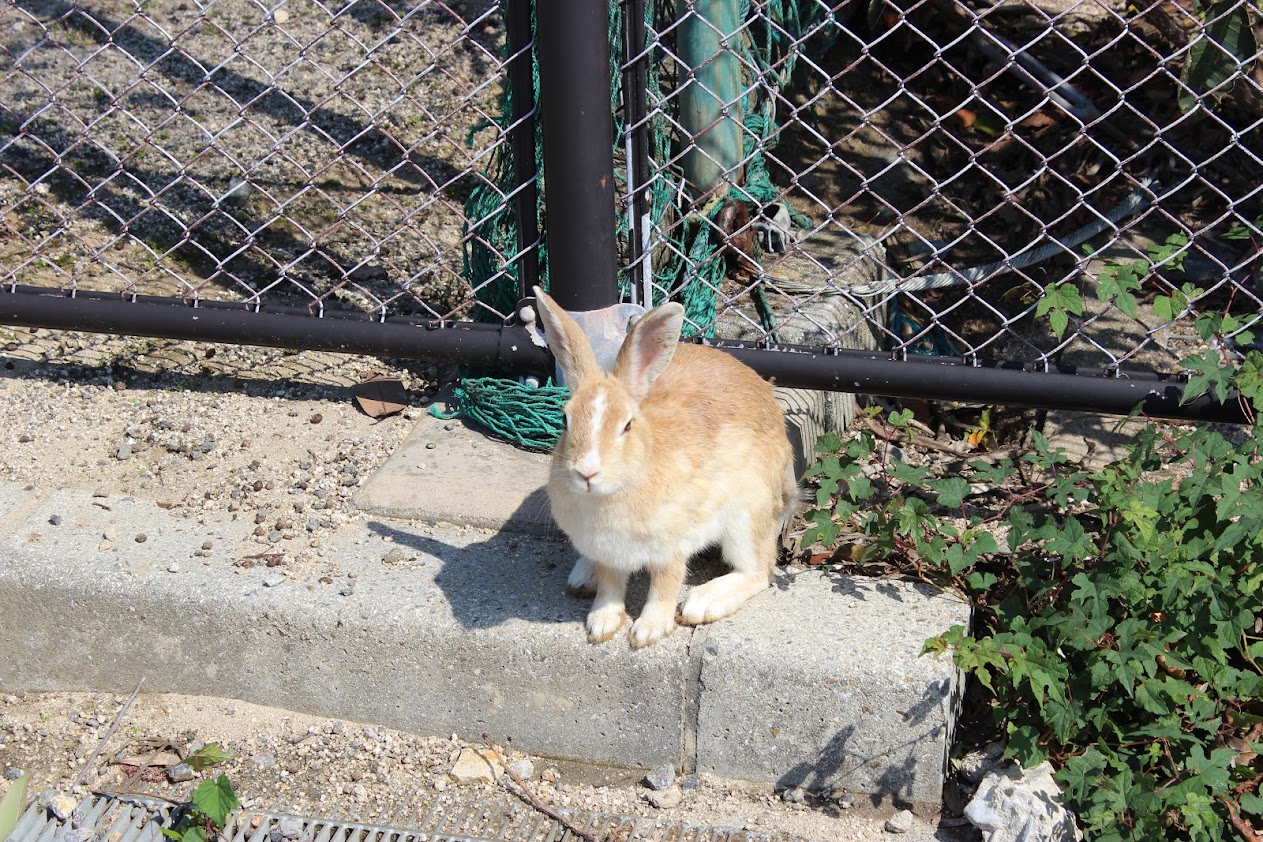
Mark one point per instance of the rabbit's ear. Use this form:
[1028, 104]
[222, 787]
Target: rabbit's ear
[567, 341]
[649, 347]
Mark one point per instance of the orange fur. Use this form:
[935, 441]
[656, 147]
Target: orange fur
[706, 461]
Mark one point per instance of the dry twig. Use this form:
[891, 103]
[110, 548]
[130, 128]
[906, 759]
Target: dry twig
[118, 718]
[529, 797]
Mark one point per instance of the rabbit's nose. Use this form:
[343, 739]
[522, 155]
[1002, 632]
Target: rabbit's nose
[587, 477]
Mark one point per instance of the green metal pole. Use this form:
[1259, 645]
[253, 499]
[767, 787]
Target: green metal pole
[710, 102]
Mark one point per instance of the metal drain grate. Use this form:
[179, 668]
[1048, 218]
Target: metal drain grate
[442, 818]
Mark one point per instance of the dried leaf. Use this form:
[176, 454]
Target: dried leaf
[380, 397]
[163, 759]
[1038, 120]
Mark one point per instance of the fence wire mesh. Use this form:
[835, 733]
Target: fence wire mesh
[1029, 180]
[934, 176]
[291, 154]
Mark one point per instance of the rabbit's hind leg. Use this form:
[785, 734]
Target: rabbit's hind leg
[750, 548]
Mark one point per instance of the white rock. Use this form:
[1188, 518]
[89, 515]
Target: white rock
[975, 765]
[900, 822]
[477, 764]
[666, 799]
[524, 769]
[1021, 805]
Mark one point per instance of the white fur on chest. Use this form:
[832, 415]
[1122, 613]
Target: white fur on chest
[615, 543]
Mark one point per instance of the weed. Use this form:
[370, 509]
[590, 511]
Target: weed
[1118, 612]
[211, 802]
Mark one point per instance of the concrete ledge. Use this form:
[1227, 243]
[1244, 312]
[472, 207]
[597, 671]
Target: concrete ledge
[473, 634]
[447, 472]
[826, 670]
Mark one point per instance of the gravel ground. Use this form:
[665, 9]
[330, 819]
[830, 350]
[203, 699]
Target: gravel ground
[288, 762]
[272, 437]
[268, 436]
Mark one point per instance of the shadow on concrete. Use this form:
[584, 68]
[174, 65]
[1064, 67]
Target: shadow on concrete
[835, 764]
[507, 576]
[229, 379]
[511, 575]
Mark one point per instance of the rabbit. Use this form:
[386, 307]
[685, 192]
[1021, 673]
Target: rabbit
[678, 448]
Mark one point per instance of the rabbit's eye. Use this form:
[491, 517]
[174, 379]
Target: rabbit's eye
[627, 427]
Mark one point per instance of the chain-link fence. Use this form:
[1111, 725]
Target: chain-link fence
[959, 178]
[289, 154]
[1034, 180]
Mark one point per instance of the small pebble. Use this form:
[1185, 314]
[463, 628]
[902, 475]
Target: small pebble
[55, 520]
[173, 567]
[666, 799]
[316, 419]
[59, 804]
[794, 795]
[12, 773]
[900, 822]
[524, 769]
[662, 778]
[141, 538]
[181, 772]
[397, 555]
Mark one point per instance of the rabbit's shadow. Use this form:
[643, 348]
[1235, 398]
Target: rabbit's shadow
[518, 575]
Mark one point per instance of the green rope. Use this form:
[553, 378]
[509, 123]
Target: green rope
[529, 417]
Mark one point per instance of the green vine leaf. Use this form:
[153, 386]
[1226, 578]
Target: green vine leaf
[1218, 55]
[1058, 302]
[216, 798]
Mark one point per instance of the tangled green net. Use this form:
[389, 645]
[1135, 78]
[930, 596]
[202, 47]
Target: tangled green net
[524, 415]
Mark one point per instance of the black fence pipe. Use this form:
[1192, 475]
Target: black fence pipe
[944, 378]
[636, 128]
[521, 72]
[509, 349]
[574, 78]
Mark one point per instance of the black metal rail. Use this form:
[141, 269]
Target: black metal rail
[507, 348]
[511, 349]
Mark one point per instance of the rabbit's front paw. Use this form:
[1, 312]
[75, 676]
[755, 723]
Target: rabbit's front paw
[651, 627]
[604, 623]
[582, 580]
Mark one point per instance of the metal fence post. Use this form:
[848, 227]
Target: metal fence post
[574, 70]
[521, 73]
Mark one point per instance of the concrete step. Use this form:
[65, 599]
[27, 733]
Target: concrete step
[816, 683]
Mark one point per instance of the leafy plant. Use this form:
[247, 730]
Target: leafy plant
[1223, 50]
[1118, 612]
[12, 804]
[211, 802]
